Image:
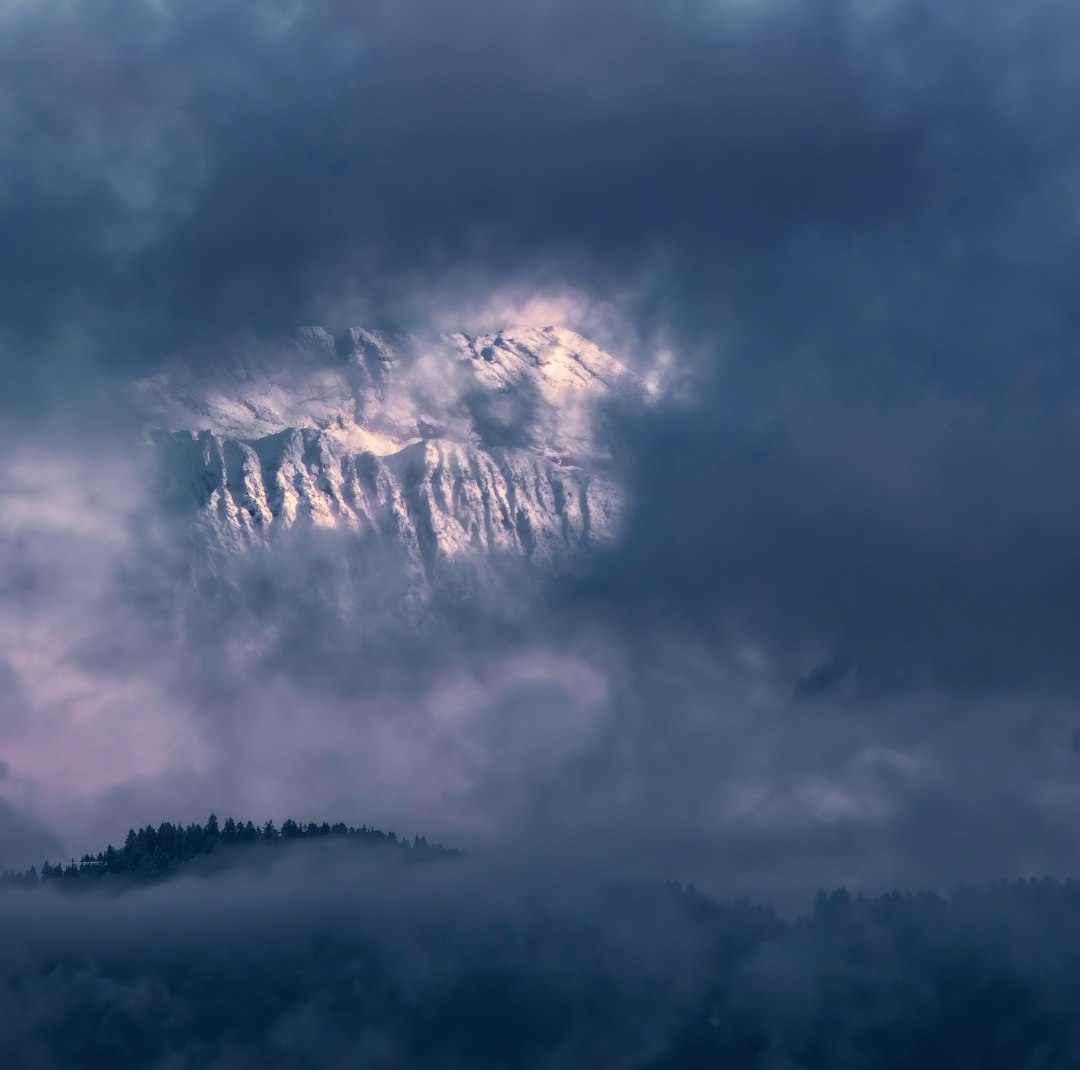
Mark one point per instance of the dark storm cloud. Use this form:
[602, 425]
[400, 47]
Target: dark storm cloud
[178, 172]
[939, 541]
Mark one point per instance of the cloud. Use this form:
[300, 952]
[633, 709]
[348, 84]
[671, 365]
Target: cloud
[185, 175]
[23, 841]
[850, 224]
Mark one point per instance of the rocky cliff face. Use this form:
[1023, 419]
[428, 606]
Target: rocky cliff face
[446, 458]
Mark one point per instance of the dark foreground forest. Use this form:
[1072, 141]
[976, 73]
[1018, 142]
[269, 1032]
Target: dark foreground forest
[232, 946]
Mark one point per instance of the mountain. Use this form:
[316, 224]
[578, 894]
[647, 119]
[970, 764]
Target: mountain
[446, 457]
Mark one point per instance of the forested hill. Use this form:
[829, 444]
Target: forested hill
[151, 854]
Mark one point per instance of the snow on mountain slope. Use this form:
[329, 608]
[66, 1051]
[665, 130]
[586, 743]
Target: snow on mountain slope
[464, 451]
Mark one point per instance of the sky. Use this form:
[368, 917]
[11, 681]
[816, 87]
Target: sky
[836, 641]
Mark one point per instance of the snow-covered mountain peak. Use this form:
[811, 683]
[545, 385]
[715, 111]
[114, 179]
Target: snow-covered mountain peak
[450, 455]
[555, 360]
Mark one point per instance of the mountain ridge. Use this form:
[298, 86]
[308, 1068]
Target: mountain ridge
[468, 451]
